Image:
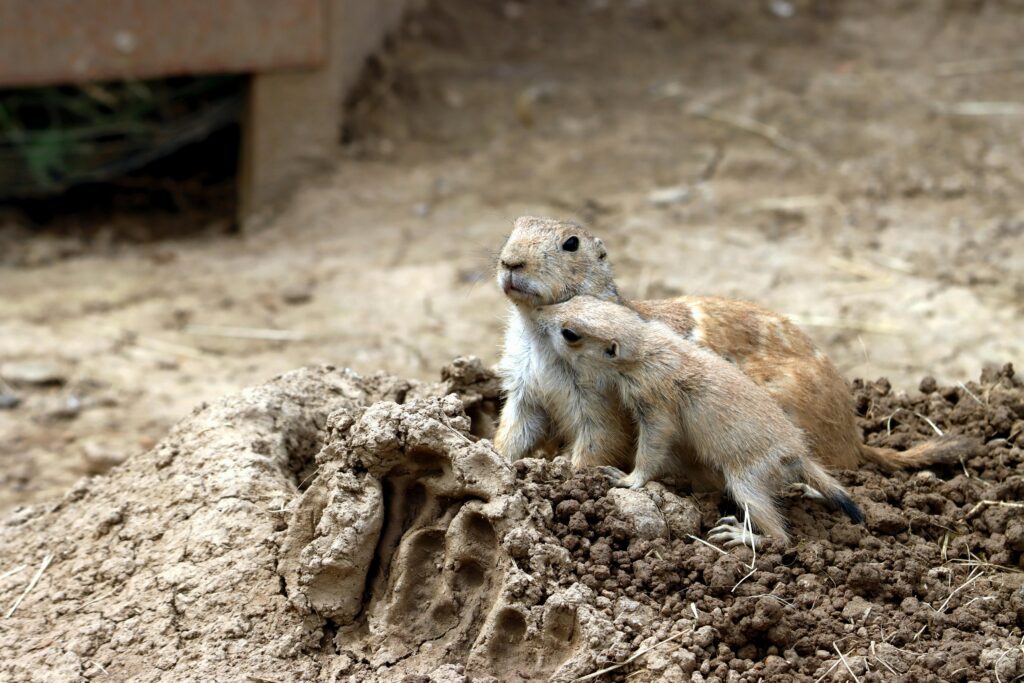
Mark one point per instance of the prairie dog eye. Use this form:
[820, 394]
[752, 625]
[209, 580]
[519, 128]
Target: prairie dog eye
[571, 244]
[570, 336]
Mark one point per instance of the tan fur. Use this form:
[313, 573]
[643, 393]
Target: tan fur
[767, 347]
[689, 404]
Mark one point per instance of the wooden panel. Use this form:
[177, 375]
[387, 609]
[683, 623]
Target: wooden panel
[62, 41]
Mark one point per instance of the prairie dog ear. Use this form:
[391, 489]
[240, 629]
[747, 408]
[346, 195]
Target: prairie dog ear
[613, 350]
[599, 245]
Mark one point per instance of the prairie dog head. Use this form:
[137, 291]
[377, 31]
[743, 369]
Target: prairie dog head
[593, 334]
[545, 261]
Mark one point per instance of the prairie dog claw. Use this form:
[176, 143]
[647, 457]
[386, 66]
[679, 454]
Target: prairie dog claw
[730, 533]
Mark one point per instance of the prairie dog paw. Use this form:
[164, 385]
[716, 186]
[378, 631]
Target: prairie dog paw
[633, 480]
[809, 491]
[613, 474]
[730, 533]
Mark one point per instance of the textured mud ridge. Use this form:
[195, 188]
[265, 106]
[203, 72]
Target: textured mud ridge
[327, 526]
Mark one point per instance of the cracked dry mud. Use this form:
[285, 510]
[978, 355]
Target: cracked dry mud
[332, 527]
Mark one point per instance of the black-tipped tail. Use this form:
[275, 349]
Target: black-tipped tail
[846, 504]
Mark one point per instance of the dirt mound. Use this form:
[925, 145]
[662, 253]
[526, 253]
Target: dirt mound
[327, 526]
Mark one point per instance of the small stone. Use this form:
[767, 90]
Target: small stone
[637, 509]
[99, 459]
[67, 408]
[664, 196]
[9, 401]
[782, 9]
[928, 385]
[35, 372]
[856, 609]
[296, 295]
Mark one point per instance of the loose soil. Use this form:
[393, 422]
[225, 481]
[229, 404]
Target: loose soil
[828, 160]
[327, 526]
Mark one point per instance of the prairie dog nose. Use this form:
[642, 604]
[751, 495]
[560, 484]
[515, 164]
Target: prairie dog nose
[512, 264]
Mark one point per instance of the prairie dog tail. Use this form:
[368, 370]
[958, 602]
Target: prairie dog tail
[943, 450]
[831, 490]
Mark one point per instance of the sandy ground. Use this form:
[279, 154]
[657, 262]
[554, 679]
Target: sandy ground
[330, 527]
[855, 167]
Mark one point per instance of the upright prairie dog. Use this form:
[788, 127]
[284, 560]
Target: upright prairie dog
[545, 261]
[691, 408]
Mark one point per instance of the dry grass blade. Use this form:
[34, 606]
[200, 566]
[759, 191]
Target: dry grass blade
[1004, 655]
[984, 65]
[842, 658]
[981, 108]
[970, 393]
[985, 503]
[827, 672]
[763, 131]
[632, 658]
[885, 664]
[931, 424]
[975, 562]
[799, 203]
[171, 348]
[263, 334]
[31, 584]
[976, 573]
[710, 545]
[748, 529]
[12, 572]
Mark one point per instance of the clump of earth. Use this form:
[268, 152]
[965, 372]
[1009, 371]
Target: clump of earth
[335, 527]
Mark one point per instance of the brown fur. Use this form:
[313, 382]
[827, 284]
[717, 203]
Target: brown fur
[767, 347]
[693, 409]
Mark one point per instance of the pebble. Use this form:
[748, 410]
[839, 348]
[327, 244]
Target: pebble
[67, 408]
[36, 372]
[668, 195]
[98, 458]
[9, 401]
[296, 295]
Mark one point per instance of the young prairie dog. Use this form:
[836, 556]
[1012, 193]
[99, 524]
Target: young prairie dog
[691, 408]
[545, 261]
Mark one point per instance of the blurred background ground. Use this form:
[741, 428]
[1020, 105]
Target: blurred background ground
[855, 165]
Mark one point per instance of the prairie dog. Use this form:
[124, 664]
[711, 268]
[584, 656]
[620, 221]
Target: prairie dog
[545, 261]
[690, 406]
